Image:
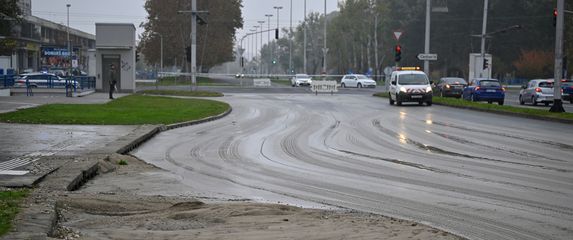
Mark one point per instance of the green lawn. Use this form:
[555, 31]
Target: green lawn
[182, 93]
[131, 110]
[282, 81]
[9, 207]
[454, 102]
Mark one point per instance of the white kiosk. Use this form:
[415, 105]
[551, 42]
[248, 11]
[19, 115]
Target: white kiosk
[115, 44]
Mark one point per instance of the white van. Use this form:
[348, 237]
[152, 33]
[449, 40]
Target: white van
[410, 86]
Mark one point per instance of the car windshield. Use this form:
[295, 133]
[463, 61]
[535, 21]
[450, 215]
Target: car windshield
[412, 79]
[546, 84]
[454, 81]
[489, 84]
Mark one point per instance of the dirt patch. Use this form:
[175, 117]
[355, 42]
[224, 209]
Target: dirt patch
[111, 207]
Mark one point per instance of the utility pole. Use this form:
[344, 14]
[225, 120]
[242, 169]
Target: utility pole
[261, 62]
[194, 44]
[427, 40]
[304, 47]
[290, 41]
[68, 94]
[325, 49]
[269, 43]
[256, 45]
[483, 33]
[558, 73]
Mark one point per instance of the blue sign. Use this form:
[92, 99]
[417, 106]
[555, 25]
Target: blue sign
[59, 52]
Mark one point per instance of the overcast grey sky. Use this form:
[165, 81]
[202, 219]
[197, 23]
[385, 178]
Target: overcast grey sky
[85, 13]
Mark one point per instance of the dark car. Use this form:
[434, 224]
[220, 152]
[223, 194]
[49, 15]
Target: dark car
[450, 87]
[567, 87]
[486, 90]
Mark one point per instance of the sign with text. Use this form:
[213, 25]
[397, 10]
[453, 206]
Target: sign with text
[428, 56]
[262, 82]
[324, 86]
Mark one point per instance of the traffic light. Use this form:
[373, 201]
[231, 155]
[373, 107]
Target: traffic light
[136, 56]
[242, 62]
[276, 33]
[555, 13]
[188, 53]
[398, 53]
[485, 63]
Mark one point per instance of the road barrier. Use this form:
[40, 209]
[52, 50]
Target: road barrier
[262, 82]
[324, 87]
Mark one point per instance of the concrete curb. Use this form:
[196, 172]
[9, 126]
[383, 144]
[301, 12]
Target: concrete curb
[40, 220]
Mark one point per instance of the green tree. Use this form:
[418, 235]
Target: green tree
[10, 14]
[214, 39]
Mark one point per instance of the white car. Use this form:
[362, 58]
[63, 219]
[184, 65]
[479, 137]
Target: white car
[301, 80]
[410, 86]
[357, 80]
[48, 80]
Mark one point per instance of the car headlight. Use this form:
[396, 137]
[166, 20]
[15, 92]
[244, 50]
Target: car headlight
[402, 89]
[428, 89]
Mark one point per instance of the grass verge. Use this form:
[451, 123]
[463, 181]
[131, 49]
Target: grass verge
[182, 93]
[9, 207]
[510, 110]
[131, 110]
[285, 82]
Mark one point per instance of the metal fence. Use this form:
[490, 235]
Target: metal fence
[77, 82]
[6, 81]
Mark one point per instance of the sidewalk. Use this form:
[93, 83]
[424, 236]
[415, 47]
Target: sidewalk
[20, 100]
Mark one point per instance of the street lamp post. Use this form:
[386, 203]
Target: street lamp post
[256, 45]
[325, 49]
[261, 61]
[269, 42]
[290, 42]
[69, 49]
[304, 44]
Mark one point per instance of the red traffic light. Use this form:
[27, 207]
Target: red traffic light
[398, 48]
[555, 13]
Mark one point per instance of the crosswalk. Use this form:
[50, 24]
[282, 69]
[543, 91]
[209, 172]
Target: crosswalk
[7, 167]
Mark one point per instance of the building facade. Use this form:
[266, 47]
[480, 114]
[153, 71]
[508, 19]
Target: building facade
[42, 45]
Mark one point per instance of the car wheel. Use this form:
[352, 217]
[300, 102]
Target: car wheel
[521, 102]
[399, 103]
[533, 101]
[342, 85]
[359, 85]
[500, 102]
[390, 98]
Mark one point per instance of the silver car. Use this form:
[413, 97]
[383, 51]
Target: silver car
[537, 91]
[301, 80]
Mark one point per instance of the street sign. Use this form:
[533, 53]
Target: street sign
[428, 57]
[397, 35]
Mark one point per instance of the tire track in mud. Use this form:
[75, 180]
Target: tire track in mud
[563, 146]
[437, 150]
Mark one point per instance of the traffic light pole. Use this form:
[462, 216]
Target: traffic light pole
[483, 33]
[558, 73]
[427, 40]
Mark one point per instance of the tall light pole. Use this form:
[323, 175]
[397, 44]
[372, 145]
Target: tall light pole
[256, 44]
[304, 47]
[269, 42]
[558, 73]
[261, 62]
[69, 43]
[484, 30]
[253, 56]
[325, 49]
[427, 40]
[194, 44]
[290, 41]
[278, 8]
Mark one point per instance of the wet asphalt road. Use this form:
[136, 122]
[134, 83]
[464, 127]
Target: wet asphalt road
[479, 175]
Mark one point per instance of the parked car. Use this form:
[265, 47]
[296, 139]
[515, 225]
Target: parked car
[484, 89]
[451, 87]
[567, 87]
[537, 91]
[48, 80]
[301, 80]
[357, 80]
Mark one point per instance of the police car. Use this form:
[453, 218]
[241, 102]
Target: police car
[409, 84]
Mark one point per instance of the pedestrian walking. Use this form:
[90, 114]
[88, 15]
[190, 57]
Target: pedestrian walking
[112, 80]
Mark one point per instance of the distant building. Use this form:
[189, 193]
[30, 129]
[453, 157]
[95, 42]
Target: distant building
[42, 45]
